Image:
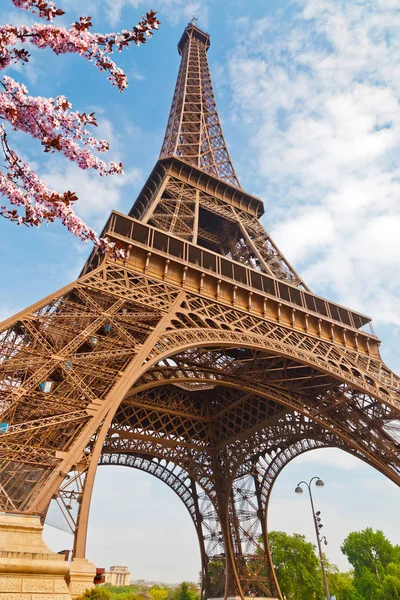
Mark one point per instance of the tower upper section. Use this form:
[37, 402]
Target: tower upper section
[194, 225]
[194, 132]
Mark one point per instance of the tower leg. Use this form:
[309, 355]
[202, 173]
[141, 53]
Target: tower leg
[248, 565]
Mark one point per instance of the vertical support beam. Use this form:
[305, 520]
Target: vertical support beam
[82, 522]
[263, 520]
[253, 246]
[234, 527]
[154, 202]
[196, 218]
[233, 586]
[182, 94]
[205, 577]
[202, 130]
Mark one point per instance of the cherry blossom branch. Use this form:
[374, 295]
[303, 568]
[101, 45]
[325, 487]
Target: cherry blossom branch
[52, 122]
[77, 39]
[42, 8]
[41, 204]
[54, 125]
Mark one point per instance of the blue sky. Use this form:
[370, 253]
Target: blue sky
[308, 95]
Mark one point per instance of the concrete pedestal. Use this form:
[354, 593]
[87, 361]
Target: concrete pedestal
[29, 570]
[80, 576]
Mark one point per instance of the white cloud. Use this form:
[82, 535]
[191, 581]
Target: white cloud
[97, 195]
[15, 16]
[173, 10]
[318, 229]
[134, 73]
[321, 98]
[332, 457]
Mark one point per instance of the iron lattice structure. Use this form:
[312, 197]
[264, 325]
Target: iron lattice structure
[202, 359]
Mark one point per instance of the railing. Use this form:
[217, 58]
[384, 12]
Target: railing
[150, 237]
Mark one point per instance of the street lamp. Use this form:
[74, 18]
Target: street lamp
[318, 526]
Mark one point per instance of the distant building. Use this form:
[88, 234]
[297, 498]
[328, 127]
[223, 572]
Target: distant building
[117, 575]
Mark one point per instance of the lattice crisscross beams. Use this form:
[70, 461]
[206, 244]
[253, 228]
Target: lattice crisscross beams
[176, 209]
[194, 132]
[246, 512]
[62, 359]
[166, 424]
[245, 422]
[60, 362]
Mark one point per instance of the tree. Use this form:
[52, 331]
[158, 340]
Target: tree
[128, 592]
[184, 594]
[296, 566]
[216, 574]
[341, 585]
[368, 549]
[97, 593]
[376, 564]
[185, 591]
[391, 582]
[51, 121]
[158, 593]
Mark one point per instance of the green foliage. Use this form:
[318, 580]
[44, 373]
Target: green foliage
[369, 550]
[216, 573]
[341, 585]
[296, 566]
[127, 592]
[184, 594]
[186, 591]
[376, 564]
[97, 593]
[299, 571]
[368, 584]
[158, 593]
[391, 582]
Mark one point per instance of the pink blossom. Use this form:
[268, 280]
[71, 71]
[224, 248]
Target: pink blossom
[52, 121]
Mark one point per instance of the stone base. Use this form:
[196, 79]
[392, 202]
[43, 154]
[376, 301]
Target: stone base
[80, 577]
[29, 570]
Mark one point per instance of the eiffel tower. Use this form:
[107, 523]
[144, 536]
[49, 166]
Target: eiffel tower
[201, 358]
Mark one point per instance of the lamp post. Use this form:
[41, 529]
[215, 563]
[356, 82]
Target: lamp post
[317, 524]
